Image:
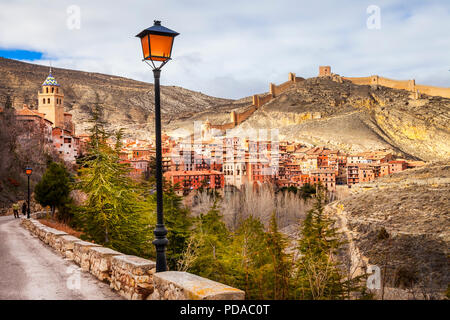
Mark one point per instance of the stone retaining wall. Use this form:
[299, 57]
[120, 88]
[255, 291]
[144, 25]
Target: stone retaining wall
[174, 285]
[81, 253]
[132, 277]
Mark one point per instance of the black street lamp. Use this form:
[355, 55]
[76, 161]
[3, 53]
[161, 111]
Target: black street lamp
[157, 43]
[28, 171]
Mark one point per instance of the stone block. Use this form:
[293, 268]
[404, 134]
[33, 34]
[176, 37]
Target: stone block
[81, 253]
[42, 231]
[175, 285]
[100, 262]
[52, 235]
[131, 276]
[65, 245]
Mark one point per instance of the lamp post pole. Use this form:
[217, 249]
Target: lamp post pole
[157, 42]
[28, 206]
[160, 231]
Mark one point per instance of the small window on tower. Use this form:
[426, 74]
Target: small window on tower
[53, 89]
[47, 89]
[43, 101]
[48, 100]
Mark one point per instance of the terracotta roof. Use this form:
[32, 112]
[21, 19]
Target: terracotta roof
[28, 112]
[191, 173]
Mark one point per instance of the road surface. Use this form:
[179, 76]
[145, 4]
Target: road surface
[31, 270]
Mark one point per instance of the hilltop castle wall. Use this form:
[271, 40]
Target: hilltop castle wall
[237, 118]
[409, 85]
[434, 91]
[257, 101]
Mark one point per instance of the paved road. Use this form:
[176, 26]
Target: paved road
[29, 269]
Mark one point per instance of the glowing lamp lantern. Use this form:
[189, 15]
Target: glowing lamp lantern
[28, 171]
[157, 42]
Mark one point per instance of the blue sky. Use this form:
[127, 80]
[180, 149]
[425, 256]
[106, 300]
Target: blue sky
[21, 54]
[235, 48]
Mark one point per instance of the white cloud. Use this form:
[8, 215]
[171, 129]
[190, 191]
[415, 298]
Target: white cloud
[235, 48]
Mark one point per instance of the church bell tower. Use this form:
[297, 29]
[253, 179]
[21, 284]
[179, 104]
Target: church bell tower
[51, 101]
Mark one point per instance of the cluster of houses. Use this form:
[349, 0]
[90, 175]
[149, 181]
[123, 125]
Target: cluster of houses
[234, 161]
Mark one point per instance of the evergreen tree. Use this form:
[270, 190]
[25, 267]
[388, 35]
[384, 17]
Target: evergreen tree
[307, 191]
[212, 240]
[249, 262]
[54, 188]
[281, 261]
[177, 222]
[318, 274]
[115, 214]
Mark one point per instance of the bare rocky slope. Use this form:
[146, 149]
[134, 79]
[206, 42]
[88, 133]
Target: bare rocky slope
[126, 103]
[321, 111]
[357, 118]
[401, 223]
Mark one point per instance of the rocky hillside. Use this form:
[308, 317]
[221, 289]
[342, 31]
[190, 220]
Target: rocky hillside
[127, 103]
[401, 223]
[356, 118]
[317, 111]
[322, 111]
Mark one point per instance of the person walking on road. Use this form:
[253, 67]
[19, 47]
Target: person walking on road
[15, 208]
[24, 208]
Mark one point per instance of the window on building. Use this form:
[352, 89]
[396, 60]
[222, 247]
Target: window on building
[53, 89]
[47, 89]
[48, 100]
[43, 101]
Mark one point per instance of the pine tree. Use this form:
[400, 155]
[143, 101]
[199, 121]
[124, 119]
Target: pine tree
[249, 261]
[281, 261]
[116, 213]
[177, 222]
[212, 240]
[318, 275]
[54, 188]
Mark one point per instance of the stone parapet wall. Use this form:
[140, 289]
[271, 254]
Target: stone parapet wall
[132, 277]
[65, 245]
[100, 262]
[81, 254]
[171, 285]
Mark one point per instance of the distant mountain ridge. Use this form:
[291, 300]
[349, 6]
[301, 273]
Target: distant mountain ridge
[127, 103]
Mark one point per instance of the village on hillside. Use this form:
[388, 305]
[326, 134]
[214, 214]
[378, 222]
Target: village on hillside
[214, 159]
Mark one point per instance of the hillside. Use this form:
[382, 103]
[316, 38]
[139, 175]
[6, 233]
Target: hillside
[316, 111]
[402, 223]
[127, 103]
[321, 111]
